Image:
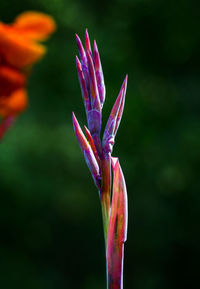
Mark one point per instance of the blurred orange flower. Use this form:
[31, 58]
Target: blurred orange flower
[19, 50]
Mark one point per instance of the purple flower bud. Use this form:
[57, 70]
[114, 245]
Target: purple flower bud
[99, 74]
[87, 42]
[85, 95]
[81, 50]
[91, 80]
[94, 121]
[94, 93]
[121, 109]
[114, 119]
[83, 60]
[87, 152]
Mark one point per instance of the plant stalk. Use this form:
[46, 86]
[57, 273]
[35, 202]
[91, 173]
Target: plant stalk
[105, 193]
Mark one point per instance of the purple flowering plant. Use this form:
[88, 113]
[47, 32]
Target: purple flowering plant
[98, 156]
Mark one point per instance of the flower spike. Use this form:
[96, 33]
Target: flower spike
[87, 152]
[97, 154]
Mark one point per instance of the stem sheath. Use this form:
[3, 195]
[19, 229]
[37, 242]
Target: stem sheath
[105, 193]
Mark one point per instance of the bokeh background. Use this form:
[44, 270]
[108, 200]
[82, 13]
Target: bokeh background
[50, 218]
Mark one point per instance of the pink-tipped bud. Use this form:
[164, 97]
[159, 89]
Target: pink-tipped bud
[87, 42]
[80, 48]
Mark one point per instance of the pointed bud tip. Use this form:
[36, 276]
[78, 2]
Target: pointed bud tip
[74, 118]
[86, 129]
[96, 52]
[78, 61]
[125, 80]
[87, 41]
[80, 47]
[125, 84]
[77, 39]
[87, 38]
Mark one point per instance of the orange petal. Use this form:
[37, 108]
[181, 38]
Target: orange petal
[14, 104]
[10, 80]
[17, 49]
[35, 25]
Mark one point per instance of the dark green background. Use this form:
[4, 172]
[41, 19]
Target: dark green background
[50, 219]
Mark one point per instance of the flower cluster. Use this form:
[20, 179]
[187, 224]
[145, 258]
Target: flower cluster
[19, 50]
[98, 156]
[93, 91]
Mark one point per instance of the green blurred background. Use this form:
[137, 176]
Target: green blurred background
[50, 218]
